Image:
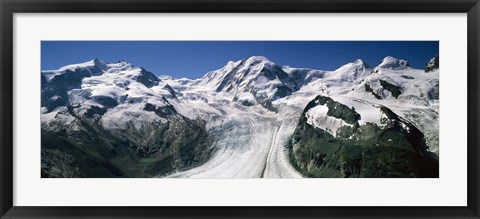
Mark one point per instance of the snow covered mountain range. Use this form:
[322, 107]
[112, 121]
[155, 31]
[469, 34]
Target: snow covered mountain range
[252, 118]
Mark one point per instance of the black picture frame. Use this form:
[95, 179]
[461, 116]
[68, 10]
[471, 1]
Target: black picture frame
[9, 7]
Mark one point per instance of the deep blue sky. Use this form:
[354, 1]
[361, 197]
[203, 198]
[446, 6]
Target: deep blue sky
[192, 59]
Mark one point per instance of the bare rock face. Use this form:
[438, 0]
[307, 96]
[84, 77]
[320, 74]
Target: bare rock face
[433, 64]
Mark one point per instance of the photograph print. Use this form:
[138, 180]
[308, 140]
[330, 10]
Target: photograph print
[239, 109]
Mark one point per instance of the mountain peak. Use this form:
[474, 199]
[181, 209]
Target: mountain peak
[391, 62]
[433, 64]
[245, 63]
[352, 70]
[359, 62]
[99, 63]
[257, 60]
[389, 57]
[122, 61]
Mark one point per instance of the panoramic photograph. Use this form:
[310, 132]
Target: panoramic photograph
[239, 109]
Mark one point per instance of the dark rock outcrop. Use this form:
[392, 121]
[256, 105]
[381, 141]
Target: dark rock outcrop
[432, 64]
[394, 149]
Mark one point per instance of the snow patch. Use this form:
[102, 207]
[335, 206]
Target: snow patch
[120, 116]
[369, 112]
[317, 117]
[246, 98]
